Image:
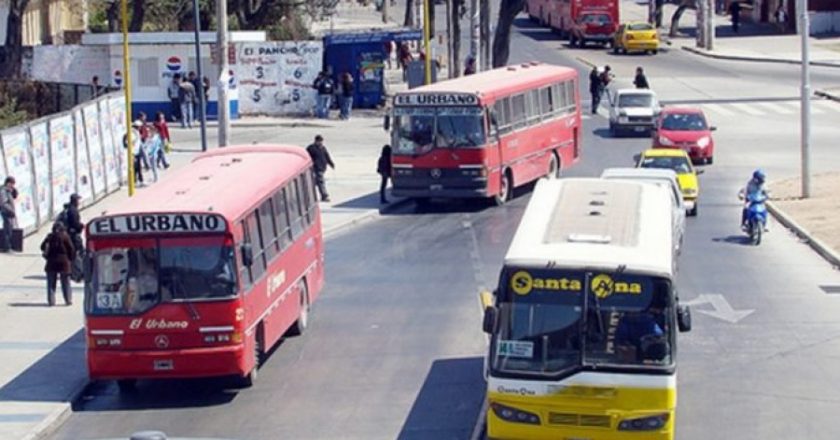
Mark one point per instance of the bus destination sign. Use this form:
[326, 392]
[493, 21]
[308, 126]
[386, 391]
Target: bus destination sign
[435, 99]
[157, 224]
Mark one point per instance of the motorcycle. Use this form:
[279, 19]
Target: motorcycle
[756, 215]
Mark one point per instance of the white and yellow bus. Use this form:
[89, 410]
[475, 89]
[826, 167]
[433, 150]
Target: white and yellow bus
[583, 324]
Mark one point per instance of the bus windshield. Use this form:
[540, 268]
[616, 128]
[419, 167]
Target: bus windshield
[132, 276]
[419, 130]
[554, 321]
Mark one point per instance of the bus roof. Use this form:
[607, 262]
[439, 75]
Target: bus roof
[504, 81]
[227, 181]
[599, 224]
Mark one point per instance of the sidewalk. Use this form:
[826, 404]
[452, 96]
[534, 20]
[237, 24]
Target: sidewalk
[43, 368]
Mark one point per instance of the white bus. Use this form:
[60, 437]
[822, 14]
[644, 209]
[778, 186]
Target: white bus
[583, 324]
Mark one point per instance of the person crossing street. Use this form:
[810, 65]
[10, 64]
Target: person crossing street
[320, 160]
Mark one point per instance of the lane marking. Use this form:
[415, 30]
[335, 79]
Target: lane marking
[777, 108]
[748, 109]
[719, 109]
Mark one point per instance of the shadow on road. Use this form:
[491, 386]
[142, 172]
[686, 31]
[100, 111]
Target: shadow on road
[739, 239]
[533, 30]
[54, 378]
[157, 394]
[449, 403]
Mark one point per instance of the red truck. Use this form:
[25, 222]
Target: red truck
[581, 21]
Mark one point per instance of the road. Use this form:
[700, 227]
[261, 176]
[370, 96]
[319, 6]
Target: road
[395, 348]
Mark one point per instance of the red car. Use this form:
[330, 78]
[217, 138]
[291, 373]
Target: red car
[687, 129]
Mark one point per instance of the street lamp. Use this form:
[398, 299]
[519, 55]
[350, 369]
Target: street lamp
[202, 117]
[427, 42]
[805, 113]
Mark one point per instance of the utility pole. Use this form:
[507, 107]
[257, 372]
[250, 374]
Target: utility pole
[485, 36]
[202, 116]
[701, 24]
[475, 32]
[427, 42]
[129, 142]
[455, 19]
[710, 23]
[450, 62]
[385, 10]
[222, 91]
[805, 113]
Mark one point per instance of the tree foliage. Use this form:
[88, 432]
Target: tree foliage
[13, 49]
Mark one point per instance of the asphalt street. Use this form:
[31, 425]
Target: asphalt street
[395, 346]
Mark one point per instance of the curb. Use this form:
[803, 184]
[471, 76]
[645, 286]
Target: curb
[828, 254]
[708, 54]
[55, 419]
[827, 95]
[364, 217]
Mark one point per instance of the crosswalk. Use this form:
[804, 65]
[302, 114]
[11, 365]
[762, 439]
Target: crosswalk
[768, 108]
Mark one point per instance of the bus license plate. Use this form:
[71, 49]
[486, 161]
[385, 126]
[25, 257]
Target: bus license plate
[436, 187]
[163, 365]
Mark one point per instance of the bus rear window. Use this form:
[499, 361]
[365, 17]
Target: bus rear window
[131, 279]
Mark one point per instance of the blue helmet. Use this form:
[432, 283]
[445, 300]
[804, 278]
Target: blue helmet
[759, 176]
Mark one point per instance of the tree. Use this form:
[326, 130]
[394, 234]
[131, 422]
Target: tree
[13, 49]
[409, 14]
[508, 10]
[457, 5]
[675, 19]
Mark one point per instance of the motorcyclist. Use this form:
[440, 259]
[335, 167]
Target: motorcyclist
[754, 186]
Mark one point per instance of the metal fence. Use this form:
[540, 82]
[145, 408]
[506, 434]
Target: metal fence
[45, 98]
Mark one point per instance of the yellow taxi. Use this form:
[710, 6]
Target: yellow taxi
[677, 160]
[636, 36]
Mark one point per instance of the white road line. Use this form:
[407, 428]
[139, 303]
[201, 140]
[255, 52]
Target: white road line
[776, 108]
[719, 109]
[747, 108]
[826, 105]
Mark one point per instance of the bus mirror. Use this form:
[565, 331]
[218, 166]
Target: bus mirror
[493, 119]
[684, 318]
[386, 122]
[247, 255]
[491, 315]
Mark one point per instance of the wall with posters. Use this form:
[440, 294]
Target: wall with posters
[275, 78]
[75, 151]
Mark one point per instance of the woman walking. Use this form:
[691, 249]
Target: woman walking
[163, 130]
[57, 249]
[383, 167]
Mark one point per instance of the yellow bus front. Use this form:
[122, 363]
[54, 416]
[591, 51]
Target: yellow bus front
[581, 355]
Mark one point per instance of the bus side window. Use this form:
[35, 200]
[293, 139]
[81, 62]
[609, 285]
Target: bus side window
[268, 230]
[547, 103]
[306, 201]
[491, 127]
[558, 92]
[258, 268]
[518, 111]
[281, 212]
[533, 107]
[244, 271]
[295, 216]
[570, 97]
[503, 114]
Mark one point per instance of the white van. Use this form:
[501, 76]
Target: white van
[633, 110]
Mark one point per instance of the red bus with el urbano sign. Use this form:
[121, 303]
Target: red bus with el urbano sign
[202, 273]
[483, 135]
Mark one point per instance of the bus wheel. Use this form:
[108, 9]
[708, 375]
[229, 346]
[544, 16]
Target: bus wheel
[504, 190]
[259, 351]
[303, 319]
[127, 385]
[553, 167]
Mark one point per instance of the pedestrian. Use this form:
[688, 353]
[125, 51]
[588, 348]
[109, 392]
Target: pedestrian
[186, 97]
[346, 96]
[137, 151]
[606, 78]
[320, 159]
[469, 67]
[72, 221]
[205, 86]
[8, 194]
[58, 250]
[173, 92]
[97, 88]
[388, 46]
[196, 82]
[595, 88]
[735, 10]
[325, 87]
[151, 146]
[404, 54]
[163, 130]
[640, 81]
[781, 18]
[383, 167]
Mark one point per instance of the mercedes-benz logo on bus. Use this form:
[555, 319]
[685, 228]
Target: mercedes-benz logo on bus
[436, 173]
[161, 341]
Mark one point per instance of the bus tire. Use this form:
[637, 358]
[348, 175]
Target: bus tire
[299, 327]
[553, 167]
[505, 189]
[127, 386]
[250, 379]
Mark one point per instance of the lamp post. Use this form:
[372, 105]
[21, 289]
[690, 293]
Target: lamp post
[427, 44]
[202, 117]
[805, 113]
[127, 73]
[222, 90]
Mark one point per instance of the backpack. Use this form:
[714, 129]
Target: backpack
[63, 218]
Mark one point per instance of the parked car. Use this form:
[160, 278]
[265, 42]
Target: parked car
[685, 128]
[633, 110]
[635, 37]
[680, 163]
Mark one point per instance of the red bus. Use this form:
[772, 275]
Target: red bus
[483, 135]
[581, 21]
[201, 273]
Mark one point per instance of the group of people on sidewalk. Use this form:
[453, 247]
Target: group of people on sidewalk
[184, 99]
[321, 160]
[150, 144]
[599, 81]
[328, 90]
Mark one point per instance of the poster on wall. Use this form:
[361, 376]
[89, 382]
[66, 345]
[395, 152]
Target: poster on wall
[63, 161]
[275, 78]
[19, 166]
[95, 155]
[39, 141]
[112, 161]
[84, 184]
[116, 108]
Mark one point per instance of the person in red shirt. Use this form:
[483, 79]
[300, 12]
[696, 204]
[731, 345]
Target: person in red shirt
[163, 132]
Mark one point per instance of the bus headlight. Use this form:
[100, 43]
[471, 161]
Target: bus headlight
[650, 423]
[514, 415]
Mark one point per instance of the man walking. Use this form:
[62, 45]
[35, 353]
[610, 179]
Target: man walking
[347, 90]
[186, 97]
[172, 91]
[8, 194]
[606, 78]
[640, 81]
[320, 159]
[735, 10]
[325, 87]
[595, 88]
